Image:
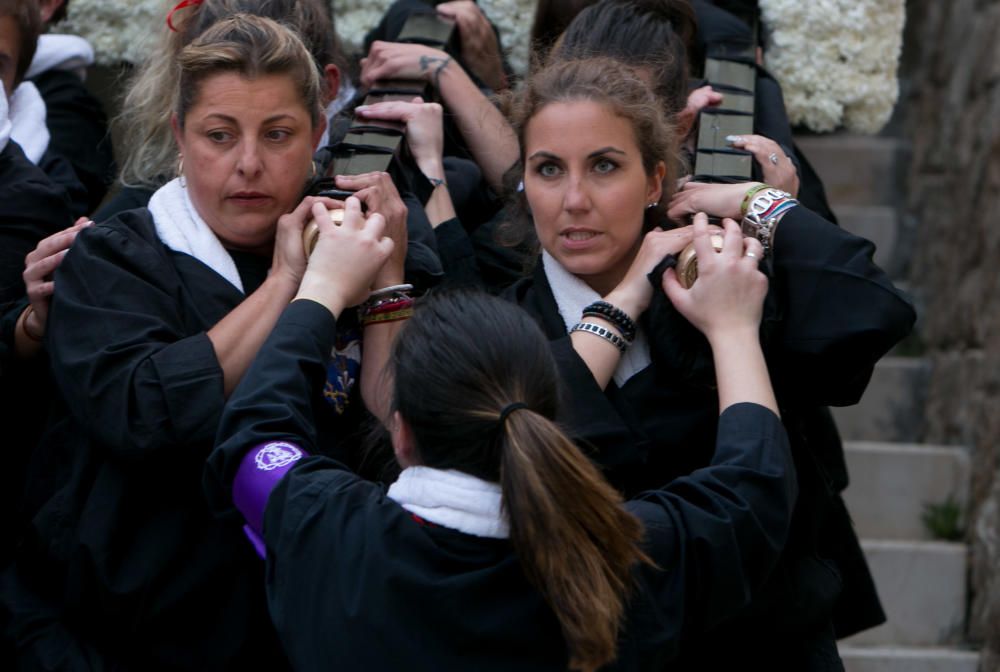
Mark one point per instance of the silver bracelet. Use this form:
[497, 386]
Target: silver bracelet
[391, 289]
[763, 216]
[597, 330]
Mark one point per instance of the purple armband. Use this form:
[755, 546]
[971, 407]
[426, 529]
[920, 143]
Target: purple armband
[260, 471]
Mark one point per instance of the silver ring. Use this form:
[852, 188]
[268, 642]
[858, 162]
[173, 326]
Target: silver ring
[773, 158]
[751, 255]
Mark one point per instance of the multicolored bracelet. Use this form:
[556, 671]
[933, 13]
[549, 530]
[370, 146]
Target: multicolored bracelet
[615, 315]
[389, 304]
[597, 330]
[747, 197]
[765, 210]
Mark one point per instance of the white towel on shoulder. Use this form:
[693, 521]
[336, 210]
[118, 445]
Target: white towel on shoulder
[4, 119]
[61, 52]
[181, 229]
[452, 499]
[27, 117]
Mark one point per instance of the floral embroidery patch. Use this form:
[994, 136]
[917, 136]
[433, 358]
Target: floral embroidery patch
[343, 370]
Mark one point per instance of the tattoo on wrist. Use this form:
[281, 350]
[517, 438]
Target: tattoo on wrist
[435, 63]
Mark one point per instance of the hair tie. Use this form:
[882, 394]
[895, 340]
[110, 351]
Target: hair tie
[510, 408]
[183, 4]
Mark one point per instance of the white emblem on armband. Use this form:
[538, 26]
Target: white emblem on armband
[276, 455]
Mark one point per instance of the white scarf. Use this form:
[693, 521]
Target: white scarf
[572, 295]
[181, 229]
[4, 120]
[452, 499]
[61, 52]
[27, 118]
[344, 96]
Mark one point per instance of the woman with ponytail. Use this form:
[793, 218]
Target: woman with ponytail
[500, 546]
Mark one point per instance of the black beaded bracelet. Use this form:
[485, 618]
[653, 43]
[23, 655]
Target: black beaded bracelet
[614, 315]
[597, 330]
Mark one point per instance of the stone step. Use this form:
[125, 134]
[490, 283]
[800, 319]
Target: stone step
[922, 585]
[892, 406]
[892, 483]
[879, 224]
[855, 169]
[907, 659]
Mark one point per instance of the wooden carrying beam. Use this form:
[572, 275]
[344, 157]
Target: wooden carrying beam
[730, 71]
[371, 146]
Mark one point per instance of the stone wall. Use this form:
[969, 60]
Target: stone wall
[951, 116]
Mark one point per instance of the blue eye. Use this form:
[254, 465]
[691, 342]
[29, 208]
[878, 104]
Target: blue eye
[548, 170]
[605, 166]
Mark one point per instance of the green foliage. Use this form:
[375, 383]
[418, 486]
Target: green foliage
[944, 520]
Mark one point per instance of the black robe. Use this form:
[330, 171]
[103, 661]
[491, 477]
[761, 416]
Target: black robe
[31, 208]
[79, 133]
[829, 316]
[123, 562]
[354, 582]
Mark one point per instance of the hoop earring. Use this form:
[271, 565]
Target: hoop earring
[650, 206]
[180, 171]
[314, 170]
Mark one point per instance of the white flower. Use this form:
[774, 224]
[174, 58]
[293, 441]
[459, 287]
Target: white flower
[836, 60]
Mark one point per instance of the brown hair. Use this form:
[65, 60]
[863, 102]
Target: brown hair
[608, 82]
[648, 34]
[551, 19]
[148, 104]
[251, 46]
[575, 542]
[29, 26]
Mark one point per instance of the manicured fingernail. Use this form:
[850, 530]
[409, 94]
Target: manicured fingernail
[733, 138]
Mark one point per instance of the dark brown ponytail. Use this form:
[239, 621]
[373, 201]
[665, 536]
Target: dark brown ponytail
[576, 543]
[459, 362]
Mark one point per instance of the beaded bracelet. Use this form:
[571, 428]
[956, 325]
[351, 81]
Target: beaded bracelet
[614, 315]
[597, 330]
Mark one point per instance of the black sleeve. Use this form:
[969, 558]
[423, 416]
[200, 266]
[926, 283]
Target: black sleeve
[31, 208]
[123, 356]
[274, 399]
[839, 313]
[715, 535]
[126, 198]
[458, 257]
[79, 130]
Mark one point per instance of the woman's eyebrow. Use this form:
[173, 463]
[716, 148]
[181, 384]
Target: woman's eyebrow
[605, 150]
[542, 154]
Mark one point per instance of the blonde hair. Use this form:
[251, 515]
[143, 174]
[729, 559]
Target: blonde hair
[251, 46]
[150, 99]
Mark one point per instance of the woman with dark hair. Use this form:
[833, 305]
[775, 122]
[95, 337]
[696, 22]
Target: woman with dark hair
[157, 316]
[500, 547]
[595, 148]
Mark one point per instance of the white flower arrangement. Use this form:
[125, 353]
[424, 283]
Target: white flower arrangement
[512, 18]
[836, 59]
[122, 30]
